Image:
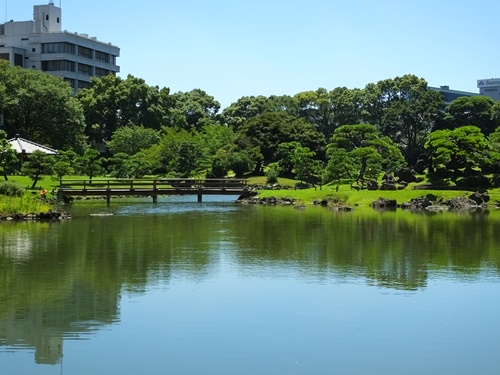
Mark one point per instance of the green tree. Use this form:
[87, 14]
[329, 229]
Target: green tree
[194, 109]
[328, 110]
[132, 139]
[292, 156]
[251, 106]
[474, 110]
[341, 164]
[219, 144]
[495, 113]
[41, 108]
[462, 147]
[90, 163]
[264, 133]
[64, 163]
[405, 110]
[366, 148]
[112, 102]
[62, 168]
[138, 165]
[243, 109]
[180, 153]
[36, 165]
[118, 165]
[8, 156]
[241, 163]
[305, 165]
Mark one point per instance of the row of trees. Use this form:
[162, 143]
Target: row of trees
[187, 133]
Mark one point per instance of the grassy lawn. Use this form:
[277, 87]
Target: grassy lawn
[346, 195]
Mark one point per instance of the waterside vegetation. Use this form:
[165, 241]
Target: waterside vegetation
[345, 144]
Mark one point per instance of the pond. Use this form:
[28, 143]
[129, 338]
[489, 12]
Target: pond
[182, 287]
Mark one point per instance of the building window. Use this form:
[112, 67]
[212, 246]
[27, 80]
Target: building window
[5, 56]
[61, 47]
[71, 82]
[101, 72]
[33, 50]
[85, 69]
[57, 19]
[85, 52]
[18, 60]
[46, 17]
[58, 66]
[102, 56]
[83, 85]
[25, 38]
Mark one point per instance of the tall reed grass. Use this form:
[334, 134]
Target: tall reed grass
[23, 205]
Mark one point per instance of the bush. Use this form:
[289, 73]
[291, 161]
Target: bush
[273, 172]
[11, 189]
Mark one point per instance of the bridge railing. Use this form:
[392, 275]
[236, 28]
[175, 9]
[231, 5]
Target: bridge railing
[67, 185]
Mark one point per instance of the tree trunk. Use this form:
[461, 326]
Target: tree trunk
[362, 170]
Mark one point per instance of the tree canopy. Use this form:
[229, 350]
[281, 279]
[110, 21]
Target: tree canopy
[479, 111]
[41, 108]
[462, 147]
[132, 139]
[364, 149]
[267, 131]
[112, 102]
[405, 110]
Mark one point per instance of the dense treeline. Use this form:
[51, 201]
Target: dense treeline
[126, 128]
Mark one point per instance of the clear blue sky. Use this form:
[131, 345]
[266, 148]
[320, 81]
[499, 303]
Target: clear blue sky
[232, 48]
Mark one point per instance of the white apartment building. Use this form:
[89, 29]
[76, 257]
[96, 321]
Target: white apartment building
[42, 44]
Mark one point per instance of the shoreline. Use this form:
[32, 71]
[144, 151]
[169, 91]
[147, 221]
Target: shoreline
[45, 216]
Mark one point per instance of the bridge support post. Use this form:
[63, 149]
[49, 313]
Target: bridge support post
[108, 198]
[200, 197]
[155, 198]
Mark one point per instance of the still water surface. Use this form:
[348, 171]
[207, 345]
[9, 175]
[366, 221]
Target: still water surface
[181, 287]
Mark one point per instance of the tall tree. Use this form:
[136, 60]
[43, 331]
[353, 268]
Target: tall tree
[112, 102]
[474, 110]
[8, 156]
[41, 108]
[251, 106]
[193, 109]
[180, 153]
[328, 110]
[405, 110]
[243, 109]
[132, 139]
[265, 132]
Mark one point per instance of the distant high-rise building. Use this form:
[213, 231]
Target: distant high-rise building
[41, 44]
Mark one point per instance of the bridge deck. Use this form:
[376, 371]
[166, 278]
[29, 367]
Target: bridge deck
[153, 187]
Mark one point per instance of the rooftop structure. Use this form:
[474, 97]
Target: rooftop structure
[41, 44]
[450, 95]
[23, 146]
[489, 87]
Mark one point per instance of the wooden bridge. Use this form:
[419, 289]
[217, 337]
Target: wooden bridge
[153, 187]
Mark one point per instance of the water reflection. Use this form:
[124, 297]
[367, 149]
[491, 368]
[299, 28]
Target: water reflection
[61, 280]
